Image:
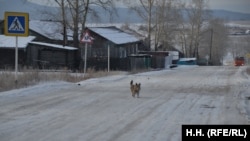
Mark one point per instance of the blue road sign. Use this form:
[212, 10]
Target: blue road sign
[16, 24]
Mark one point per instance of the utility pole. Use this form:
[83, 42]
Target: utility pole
[211, 44]
[108, 57]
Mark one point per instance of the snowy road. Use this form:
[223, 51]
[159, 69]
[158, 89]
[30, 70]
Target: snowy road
[104, 110]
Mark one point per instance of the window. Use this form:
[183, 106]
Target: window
[123, 52]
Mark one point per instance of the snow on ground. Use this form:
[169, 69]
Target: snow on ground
[103, 108]
[242, 24]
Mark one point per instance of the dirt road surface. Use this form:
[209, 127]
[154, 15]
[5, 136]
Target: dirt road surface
[103, 109]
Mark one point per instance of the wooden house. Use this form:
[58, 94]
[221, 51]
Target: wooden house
[121, 45]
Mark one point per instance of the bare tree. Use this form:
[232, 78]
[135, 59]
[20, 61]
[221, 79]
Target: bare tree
[145, 9]
[161, 17]
[217, 41]
[182, 36]
[166, 22]
[62, 4]
[79, 11]
[196, 16]
[74, 6]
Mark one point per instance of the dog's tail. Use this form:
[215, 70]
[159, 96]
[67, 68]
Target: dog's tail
[131, 82]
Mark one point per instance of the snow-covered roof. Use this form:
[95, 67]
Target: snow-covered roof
[49, 29]
[187, 59]
[114, 35]
[54, 46]
[10, 41]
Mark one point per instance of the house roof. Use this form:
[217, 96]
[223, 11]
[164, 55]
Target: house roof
[54, 46]
[10, 41]
[52, 30]
[114, 35]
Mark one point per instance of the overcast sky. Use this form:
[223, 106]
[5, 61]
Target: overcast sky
[231, 5]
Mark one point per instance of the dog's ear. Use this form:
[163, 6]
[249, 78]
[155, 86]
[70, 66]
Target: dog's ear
[131, 82]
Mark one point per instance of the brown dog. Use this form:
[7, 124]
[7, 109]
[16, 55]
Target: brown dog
[135, 88]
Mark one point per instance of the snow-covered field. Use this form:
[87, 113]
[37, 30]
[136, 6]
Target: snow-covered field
[102, 109]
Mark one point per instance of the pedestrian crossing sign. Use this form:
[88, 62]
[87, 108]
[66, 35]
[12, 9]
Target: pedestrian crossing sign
[16, 24]
[86, 38]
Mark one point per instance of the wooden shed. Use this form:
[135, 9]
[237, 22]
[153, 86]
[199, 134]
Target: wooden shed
[50, 56]
[162, 59]
[140, 62]
[158, 59]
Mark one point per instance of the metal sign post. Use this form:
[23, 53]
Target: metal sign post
[16, 60]
[86, 38]
[16, 24]
[85, 58]
[108, 57]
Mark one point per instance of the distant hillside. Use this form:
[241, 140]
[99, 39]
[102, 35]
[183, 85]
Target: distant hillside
[123, 15]
[36, 12]
[231, 16]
